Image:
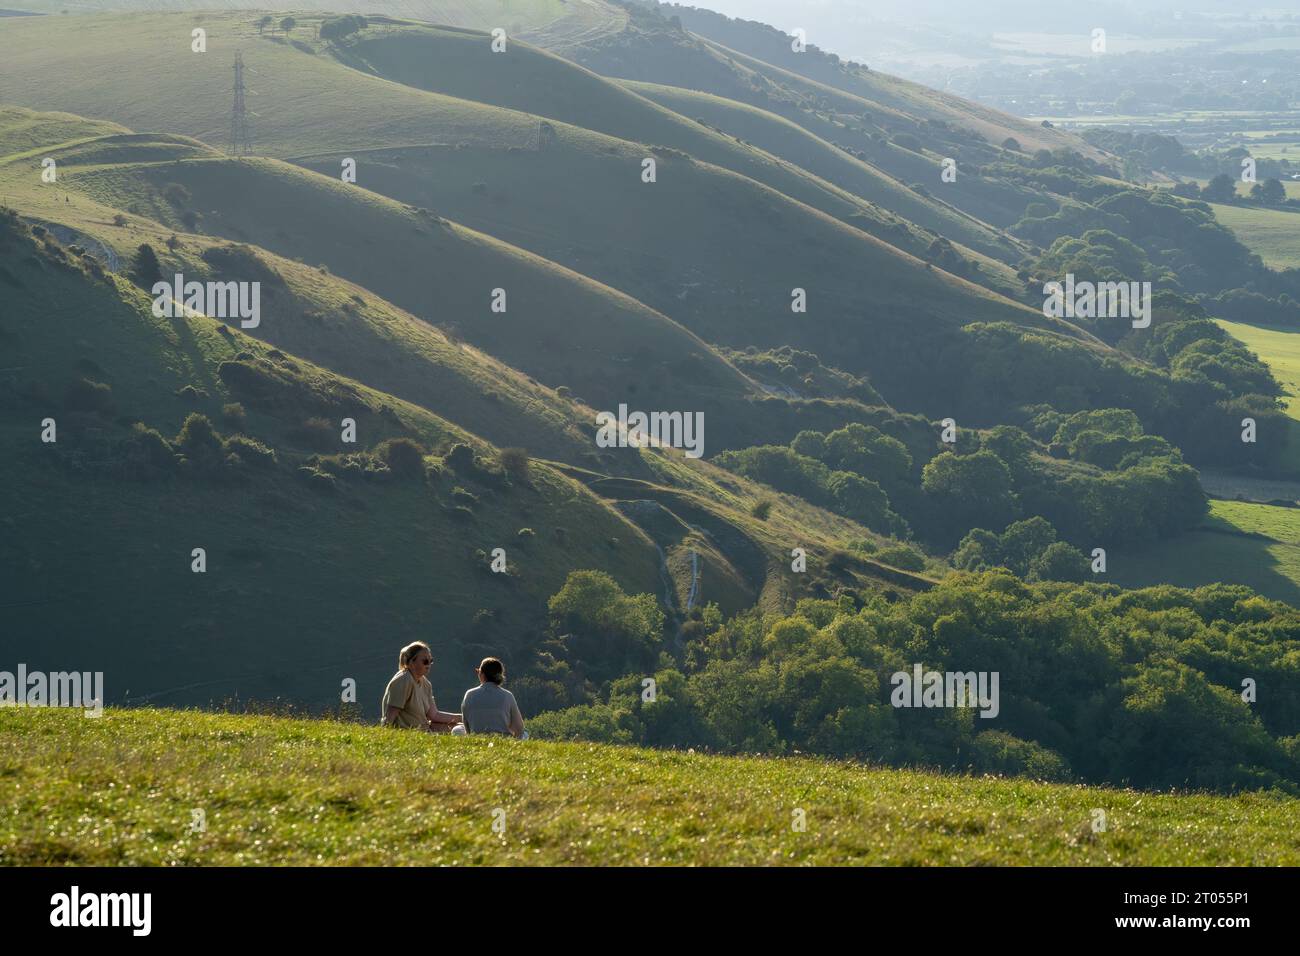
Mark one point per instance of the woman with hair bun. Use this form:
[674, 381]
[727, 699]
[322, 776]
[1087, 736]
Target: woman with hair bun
[489, 708]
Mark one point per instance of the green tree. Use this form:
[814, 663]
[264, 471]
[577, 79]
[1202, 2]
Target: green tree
[145, 268]
[860, 499]
[1059, 561]
[973, 490]
[605, 630]
[1221, 188]
[1270, 192]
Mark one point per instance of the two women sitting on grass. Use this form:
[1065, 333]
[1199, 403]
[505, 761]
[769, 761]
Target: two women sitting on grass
[487, 709]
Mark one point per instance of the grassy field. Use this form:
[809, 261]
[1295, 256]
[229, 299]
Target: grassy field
[124, 790]
[1240, 542]
[1273, 234]
[1280, 350]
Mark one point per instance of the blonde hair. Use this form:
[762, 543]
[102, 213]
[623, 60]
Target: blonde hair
[409, 651]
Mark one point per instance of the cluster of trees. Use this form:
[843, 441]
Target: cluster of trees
[1223, 189]
[1178, 244]
[802, 373]
[843, 492]
[1029, 549]
[1215, 384]
[1157, 688]
[332, 28]
[1096, 477]
[1147, 151]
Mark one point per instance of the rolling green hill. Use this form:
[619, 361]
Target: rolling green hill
[357, 234]
[680, 259]
[290, 513]
[753, 44]
[459, 63]
[862, 110]
[363, 110]
[101, 522]
[344, 794]
[797, 145]
[318, 316]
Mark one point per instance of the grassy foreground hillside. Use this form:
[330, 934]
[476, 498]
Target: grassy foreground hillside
[279, 791]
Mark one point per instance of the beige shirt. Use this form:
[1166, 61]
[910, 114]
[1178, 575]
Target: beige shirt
[413, 700]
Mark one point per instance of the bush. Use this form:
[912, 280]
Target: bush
[148, 451]
[318, 480]
[333, 28]
[315, 433]
[907, 141]
[198, 440]
[233, 415]
[176, 194]
[83, 395]
[994, 751]
[404, 457]
[460, 458]
[516, 463]
[901, 557]
[761, 509]
[1060, 562]
[251, 451]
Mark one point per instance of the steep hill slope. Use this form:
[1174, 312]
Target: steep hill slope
[347, 556]
[108, 509]
[768, 45]
[459, 63]
[682, 258]
[795, 144]
[652, 49]
[356, 111]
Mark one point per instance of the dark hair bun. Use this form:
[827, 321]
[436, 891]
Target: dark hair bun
[492, 670]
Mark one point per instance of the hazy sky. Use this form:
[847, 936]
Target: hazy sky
[1000, 15]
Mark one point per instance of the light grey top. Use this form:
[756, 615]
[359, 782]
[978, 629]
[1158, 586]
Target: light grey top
[488, 709]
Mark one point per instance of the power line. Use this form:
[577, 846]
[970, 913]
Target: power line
[241, 140]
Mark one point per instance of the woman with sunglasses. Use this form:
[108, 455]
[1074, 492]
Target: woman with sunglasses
[408, 700]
